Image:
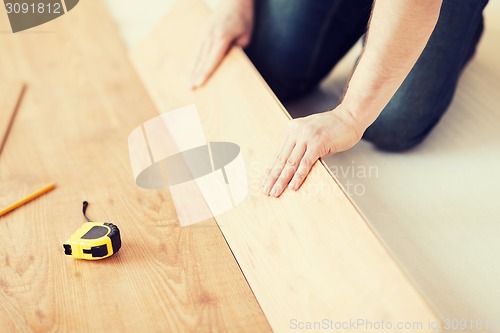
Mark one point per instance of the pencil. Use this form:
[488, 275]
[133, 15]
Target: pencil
[30, 197]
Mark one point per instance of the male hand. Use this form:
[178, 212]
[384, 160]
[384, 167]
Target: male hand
[308, 139]
[231, 24]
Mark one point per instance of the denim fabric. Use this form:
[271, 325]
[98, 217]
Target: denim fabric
[296, 43]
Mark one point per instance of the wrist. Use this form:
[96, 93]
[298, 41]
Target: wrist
[352, 118]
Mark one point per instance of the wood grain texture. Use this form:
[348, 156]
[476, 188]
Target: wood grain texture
[83, 100]
[308, 255]
[11, 94]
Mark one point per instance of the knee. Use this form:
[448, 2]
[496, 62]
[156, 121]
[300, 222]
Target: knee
[285, 78]
[278, 52]
[285, 82]
[284, 88]
[397, 133]
[396, 141]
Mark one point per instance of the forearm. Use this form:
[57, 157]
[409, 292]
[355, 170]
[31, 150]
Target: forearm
[397, 35]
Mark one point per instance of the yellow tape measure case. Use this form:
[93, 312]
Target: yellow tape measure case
[93, 240]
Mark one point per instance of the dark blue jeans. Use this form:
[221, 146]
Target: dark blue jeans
[296, 43]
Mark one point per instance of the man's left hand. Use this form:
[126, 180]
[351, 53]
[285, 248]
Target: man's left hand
[307, 140]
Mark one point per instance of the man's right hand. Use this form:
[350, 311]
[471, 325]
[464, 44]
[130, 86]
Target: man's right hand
[232, 23]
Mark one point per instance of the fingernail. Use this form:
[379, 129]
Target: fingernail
[274, 192]
[292, 186]
[263, 182]
[199, 82]
[266, 190]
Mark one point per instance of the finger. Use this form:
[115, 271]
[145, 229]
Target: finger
[206, 51]
[278, 165]
[213, 58]
[200, 76]
[287, 145]
[289, 170]
[310, 157]
[268, 170]
[200, 56]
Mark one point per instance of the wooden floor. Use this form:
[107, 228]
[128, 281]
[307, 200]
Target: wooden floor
[82, 100]
[303, 256]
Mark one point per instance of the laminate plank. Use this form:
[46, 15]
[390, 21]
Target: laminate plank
[308, 255]
[83, 100]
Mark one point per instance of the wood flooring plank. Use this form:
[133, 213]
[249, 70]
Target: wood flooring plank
[307, 255]
[83, 100]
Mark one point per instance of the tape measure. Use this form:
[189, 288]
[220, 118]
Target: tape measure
[93, 240]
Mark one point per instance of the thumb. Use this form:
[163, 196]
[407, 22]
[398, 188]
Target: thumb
[243, 40]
